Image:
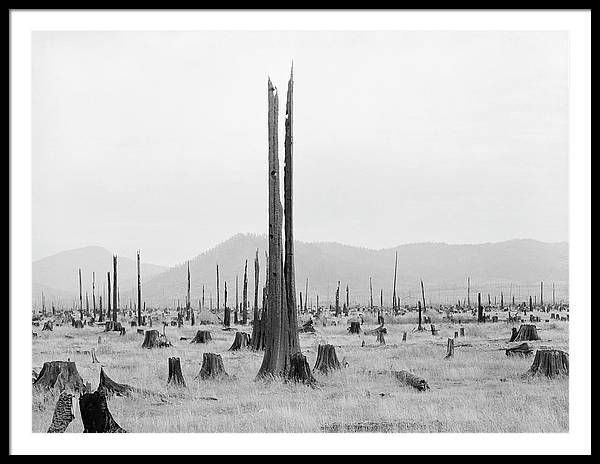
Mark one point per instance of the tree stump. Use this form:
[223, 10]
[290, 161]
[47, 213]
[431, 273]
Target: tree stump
[59, 374]
[78, 323]
[526, 333]
[153, 339]
[513, 335]
[175, 374]
[47, 326]
[95, 414]
[550, 363]
[94, 357]
[122, 331]
[326, 359]
[455, 334]
[34, 376]
[212, 367]
[354, 327]
[494, 318]
[521, 350]
[380, 338]
[450, 348]
[462, 331]
[202, 336]
[110, 387]
[140, 331]
[133, 324]
[434, 331]
[307, 327]
[299, 370]
[404, 336]
[63, 413]
[240, 342]
[412, 380]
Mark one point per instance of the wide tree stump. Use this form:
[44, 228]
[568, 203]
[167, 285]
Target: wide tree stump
[175, 374]
[450, 348]
[307, 327]
[110, 387]
[47, 326]
[354, 327]
[78, 323]
[240, 342]
[326, 359]
[521, 350]
[95, 414]
[299, 370]
[59, 374]
[412, 380]
[63, 413]
[153, 339]
[550, 363]
[202, 336]
[212, 367]
[513, 335]
[527, 332]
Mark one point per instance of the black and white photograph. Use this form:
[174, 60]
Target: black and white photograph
[300, 232]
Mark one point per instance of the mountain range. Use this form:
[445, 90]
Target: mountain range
[514, 267]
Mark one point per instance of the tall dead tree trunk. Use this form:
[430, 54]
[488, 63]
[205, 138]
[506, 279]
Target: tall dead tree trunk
[94, 294]
[100, 310]
[542, 293]
[480, 316]
[258, 335]
[371, 292]
[282, 350]
[420, 327]
[306, 296]
[218, 289]
[468, 292]
[348, 298]
[115, 290]
[423, 295]
[337, 300]
[227, 314]
[80, 297]
[237, 302]
[245, 296]
[188, 302]
[139, 291]
[394, 307]
[108, 310]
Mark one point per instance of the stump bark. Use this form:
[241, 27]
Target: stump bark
[326, 359]
[202, 336]
[175, 374]
[412, 380]
[95, 414]
[59, 374]
[153, 339]
[299, 370]
[513, 335]
[240, 342]
[527, 332]
[550, 363]
[354, 327]
[94, 357]
[63, 413]
[212, 367]
[462, 331]
[47, 326]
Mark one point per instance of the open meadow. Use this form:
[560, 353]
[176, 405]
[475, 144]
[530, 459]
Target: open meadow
[479, 389]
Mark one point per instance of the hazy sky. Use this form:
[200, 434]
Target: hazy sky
[158, 140]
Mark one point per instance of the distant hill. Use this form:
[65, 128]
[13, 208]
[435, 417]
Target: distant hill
[58, 274]
[444, 268]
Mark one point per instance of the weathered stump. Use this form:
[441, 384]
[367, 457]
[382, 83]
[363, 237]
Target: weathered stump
[34, 376]
[47, 326]
[412, 380]
[513, 335]
[110, 387]
[299, 371]
[455, 334]
[63, 413]
[521, 350]
[326, 359]
[462, 331]
[140, 331]
[59, 374]
[450, 348]
[380, 338]
[240, 342]
[354, 327]
[212, 367]
[133, 324]
[526, 333]
[95, 414]
[202, 336]
[307, 327]
[153, 339]
[494, 318]
[434, 331]
[94, 357]
[78, 323]
[550, 363]
[175, 374]
[404, 336]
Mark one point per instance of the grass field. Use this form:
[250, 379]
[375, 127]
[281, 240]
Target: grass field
[480, 389]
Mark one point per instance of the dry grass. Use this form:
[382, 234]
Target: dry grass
[479, 390]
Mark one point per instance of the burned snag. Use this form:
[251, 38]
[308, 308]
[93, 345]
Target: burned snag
[95, 414]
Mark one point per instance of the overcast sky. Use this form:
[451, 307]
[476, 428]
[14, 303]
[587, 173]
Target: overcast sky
[158, 140]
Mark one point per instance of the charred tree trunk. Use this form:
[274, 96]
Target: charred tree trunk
[94, 294]
[95, 414]
[245, 296]
[550, 363]
[337, 300]
[380, 338]
[139, 291]
[188, 302]
[371, 292]
[175, 374]
[394, 307]
[218, 289]
[412, 380]
[423, 295]
[115, 290]
[300, 370]
[63, 413]
[212, 367]
[420, 327]
[109, 387]
[258, 336]
[521, 350]
[480, 316]
[153, 339]
[108, 310]
[94, 357]
[404, 336]
[240, 342]
[526, 332]
[80, 297]
[450, 348]
[354, 327]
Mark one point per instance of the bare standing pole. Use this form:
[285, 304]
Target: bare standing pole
[395, 272]
[139, 291]
[115, 289]
[371, 291]
[94, 293]
[80, 297]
